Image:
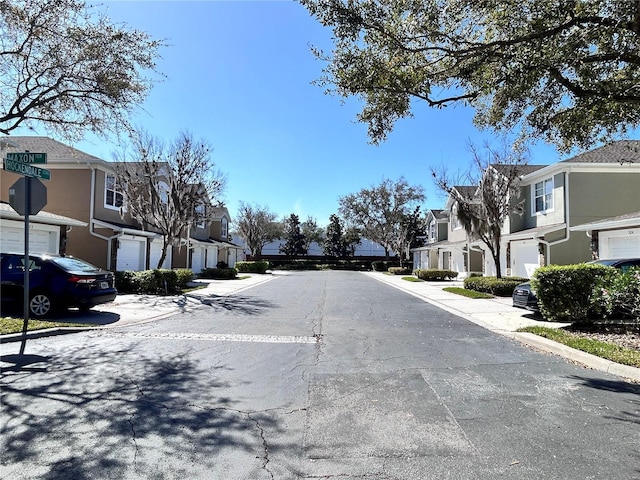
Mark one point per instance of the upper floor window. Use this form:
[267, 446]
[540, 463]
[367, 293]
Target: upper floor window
[455, 221]
[113, 197]
[200, 211]
[433, 229]
[163, 192]
[543, 196]
[224, 228]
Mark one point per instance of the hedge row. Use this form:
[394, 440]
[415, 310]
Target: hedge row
[435, 274]
[500, 287]
[252, 267]
[219, 273]
[157, 281]
[399, 271]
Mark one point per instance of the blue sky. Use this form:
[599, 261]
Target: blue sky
[239, 75]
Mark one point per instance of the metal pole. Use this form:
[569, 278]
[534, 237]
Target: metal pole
[25, 302]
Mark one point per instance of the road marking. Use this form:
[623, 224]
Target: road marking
[222, 337]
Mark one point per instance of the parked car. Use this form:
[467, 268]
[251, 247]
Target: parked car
[55, 282]
[525, 297]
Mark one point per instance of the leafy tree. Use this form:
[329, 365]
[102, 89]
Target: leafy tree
[257, 226]
[293, 237]
[311, 232]
[169, 188]
[66, 66]
[352, 239]
[334, 243]
[482, 214]
[379, 211]
[412, 233]
[566, 71]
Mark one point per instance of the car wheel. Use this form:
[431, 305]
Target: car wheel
[40, 305]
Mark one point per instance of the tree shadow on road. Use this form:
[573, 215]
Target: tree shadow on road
[89, 413]
[238, 304]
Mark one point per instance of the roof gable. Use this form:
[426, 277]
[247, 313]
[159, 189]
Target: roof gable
[57, 152]
[621, 152]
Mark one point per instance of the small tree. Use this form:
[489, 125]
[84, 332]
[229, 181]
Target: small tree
[352, 239]
[483, 213]
[412, 232]
[311, 232]
[334, 243]
[169, 188]
[294, 239]
[257, 226]
[68, 67]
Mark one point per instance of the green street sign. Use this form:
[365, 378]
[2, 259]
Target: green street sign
[26, 169]
[27, 157]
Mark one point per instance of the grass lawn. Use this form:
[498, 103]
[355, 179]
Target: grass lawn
[412, 279]
[466, 292]
[14, 325]
[610, 351]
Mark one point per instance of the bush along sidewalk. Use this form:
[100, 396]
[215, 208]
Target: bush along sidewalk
[154, 282]
[500, 287]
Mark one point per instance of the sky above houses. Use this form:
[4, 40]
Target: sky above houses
[239, 74]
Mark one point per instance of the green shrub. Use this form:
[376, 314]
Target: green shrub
[125, 281]
[435, 274]
[219, 273]
[382, 265]
[184, 277]
[252, 267]
[565, 292]
[157, 281]
[500, 287]
[618, 294]
[399, 271]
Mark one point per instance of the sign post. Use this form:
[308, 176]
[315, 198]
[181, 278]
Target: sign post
[20, 195]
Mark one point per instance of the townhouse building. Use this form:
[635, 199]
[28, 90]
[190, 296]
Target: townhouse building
[563, 205]
[84, 188]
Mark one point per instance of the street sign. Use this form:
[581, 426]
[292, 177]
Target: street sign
[26, 169]
[27, 157]
[37, 196]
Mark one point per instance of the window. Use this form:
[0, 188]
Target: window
[200, 211]
[163, 192]
[224, 228]
[543, 196]
[455, 222]
[433, 228]
[113, 197]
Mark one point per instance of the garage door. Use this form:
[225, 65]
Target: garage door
[524, 258]
[41, 239]
[620, 246]
[155, 252]
[212, 257]
[131, 254]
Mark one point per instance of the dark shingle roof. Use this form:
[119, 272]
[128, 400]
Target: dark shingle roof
[57, 152]
[438, 214]
[467, 191]
[523, 170]
[623, 151]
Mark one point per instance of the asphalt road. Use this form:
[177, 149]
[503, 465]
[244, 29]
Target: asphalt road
[310, 375]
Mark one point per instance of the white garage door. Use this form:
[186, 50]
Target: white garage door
[620, 246]
[155, 252]
[131, 254]
[524, 258]
[42, 239]
[212, 257]
[197, 259]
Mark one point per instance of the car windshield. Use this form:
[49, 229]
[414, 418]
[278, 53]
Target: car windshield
[74, 264]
